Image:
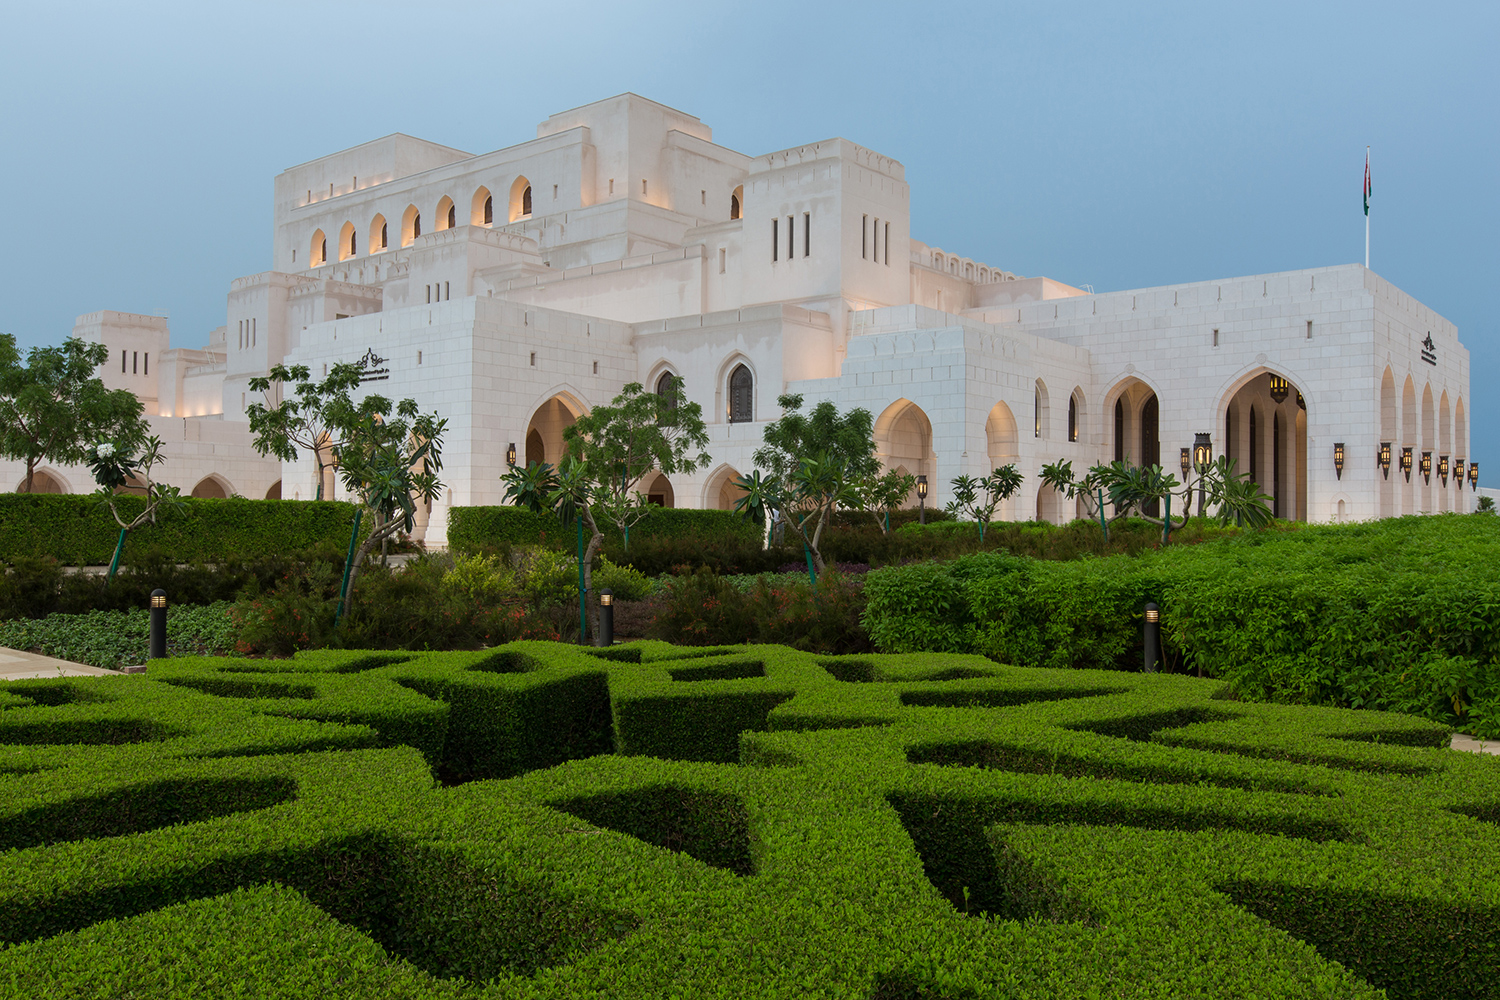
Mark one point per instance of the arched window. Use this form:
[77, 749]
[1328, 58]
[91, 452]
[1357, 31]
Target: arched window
[446, 217]
[1072, 418]
[520, 199]
[737, 202]
[411, 225]
[319, 254]
[385, 239]
[377, 240]
[666, 389]
[452, 216]
[489, 209]
[346, 241]
[741, 395]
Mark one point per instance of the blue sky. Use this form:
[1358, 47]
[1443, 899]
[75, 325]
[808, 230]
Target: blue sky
[1115, 145]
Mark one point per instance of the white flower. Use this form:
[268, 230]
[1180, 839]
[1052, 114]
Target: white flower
[104, 449]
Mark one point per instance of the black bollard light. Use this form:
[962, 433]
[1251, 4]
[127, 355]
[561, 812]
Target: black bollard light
[158, 624]
[1153, 636]
[606, 619]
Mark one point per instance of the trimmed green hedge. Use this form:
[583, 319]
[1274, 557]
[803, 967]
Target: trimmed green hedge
[1402, 614]
[78, 530]
[476, 529]
[651, 821]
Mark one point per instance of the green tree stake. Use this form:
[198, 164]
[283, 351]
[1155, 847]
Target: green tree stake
[812, 575]
[1166, 524]
[338, 612]
[114, 563]
[1103, 522]
[583, 625]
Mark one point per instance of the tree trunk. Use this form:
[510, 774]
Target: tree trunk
[30, 481]
[381, 531]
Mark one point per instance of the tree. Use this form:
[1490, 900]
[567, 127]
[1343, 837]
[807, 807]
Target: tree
[607, 454]
[115, 471]
[816, 463]
[1130, 489]
[390, 462]
[55, 407]
[979, 497]
[313, 419]
[882, 494]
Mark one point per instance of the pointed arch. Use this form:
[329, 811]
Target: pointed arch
[411, 225]
[213, 487]
[45, 480]
[1460, 429]
[380, 236]
[1444, 452]
[520, 199]
[482, 208]
[347, 245]
[903, 439]
[737, 203]
[446, 216]
[1077, 411]
[1042, 405]
[558, 410]
[1266, 437]
[273, 492]
[1002, 439]
[318, 249]
[719, 490]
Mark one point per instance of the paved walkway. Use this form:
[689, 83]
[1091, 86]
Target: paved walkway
[1469, 743]
[18, 666]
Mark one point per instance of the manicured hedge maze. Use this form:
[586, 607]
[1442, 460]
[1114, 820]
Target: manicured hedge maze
[544, 821]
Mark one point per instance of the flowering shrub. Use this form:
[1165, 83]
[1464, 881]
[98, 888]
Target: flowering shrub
[706, 609]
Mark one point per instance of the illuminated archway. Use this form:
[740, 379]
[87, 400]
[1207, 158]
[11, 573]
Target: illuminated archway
[520, 199]
[347, 243]
[544, 433]
[447, 215]
[379, 236]
[482, 208]
[411, 225]
[903, 438]
[1265, 434]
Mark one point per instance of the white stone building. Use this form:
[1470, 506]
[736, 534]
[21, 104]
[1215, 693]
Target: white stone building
[514, 290]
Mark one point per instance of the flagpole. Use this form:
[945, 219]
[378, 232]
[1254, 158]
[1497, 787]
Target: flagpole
[1367, 209]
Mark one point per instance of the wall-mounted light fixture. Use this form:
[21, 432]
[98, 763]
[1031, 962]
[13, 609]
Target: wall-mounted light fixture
[1443, 469]
[1406, 463]
[1383, 459]
[1458, 472]
[510, 455]
[1474, 475]
[1280, 388]
[1338, 459]
[1427, 468]
[1203, 452]
[1186, 463]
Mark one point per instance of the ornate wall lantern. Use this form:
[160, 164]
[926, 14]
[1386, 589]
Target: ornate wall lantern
[1406, 463]
[1474, 475]
[1186, 464]
[1203, 452]
[1383, 459]
[1443, 469]
[1458, 473]
[510, 455]
[1338, 459]
[1280, 388]
[1427, 468]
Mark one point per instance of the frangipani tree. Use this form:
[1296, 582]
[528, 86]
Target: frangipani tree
[115, 471]
[978, 497]
[313, 418]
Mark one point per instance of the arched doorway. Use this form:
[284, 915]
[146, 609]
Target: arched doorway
[274, 493]
[720, 492]
[1136, 433]
[1003, 446]
[1386, 486]
[211, 488]
[1265, 434]
[544, 434]
[43, 481]
[903, 437]
[657, 490]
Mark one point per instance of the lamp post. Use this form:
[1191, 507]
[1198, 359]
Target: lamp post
[921, 499]
[1427, 468]
[606, 635]
[1383, 459]
[510, 455]
[1153, 636]
[158, 624]
[1338, 459]
[1406, 463]
[1203, 457]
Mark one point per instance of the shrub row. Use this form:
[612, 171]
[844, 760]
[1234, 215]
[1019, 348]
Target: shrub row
[78, 529]
[479, 529]
[769, 823]
[1401, 614]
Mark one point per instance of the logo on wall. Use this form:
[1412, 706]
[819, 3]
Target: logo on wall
[1429, 350]
[372, 364]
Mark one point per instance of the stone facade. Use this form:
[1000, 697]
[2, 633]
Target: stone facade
[514, 290]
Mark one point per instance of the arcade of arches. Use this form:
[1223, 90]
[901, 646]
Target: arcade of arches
[1265, 435]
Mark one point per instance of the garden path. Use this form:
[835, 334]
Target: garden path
[18, 666]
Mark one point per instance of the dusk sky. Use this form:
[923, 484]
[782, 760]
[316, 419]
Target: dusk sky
[1113, 145]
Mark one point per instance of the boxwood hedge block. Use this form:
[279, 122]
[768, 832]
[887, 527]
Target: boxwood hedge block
[544, 821]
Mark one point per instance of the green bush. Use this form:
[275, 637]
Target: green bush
[115, 639]
[485, 579]
[706, 609]
[78, 529]
[1398, 614]
[484, 529]
[653, 821]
